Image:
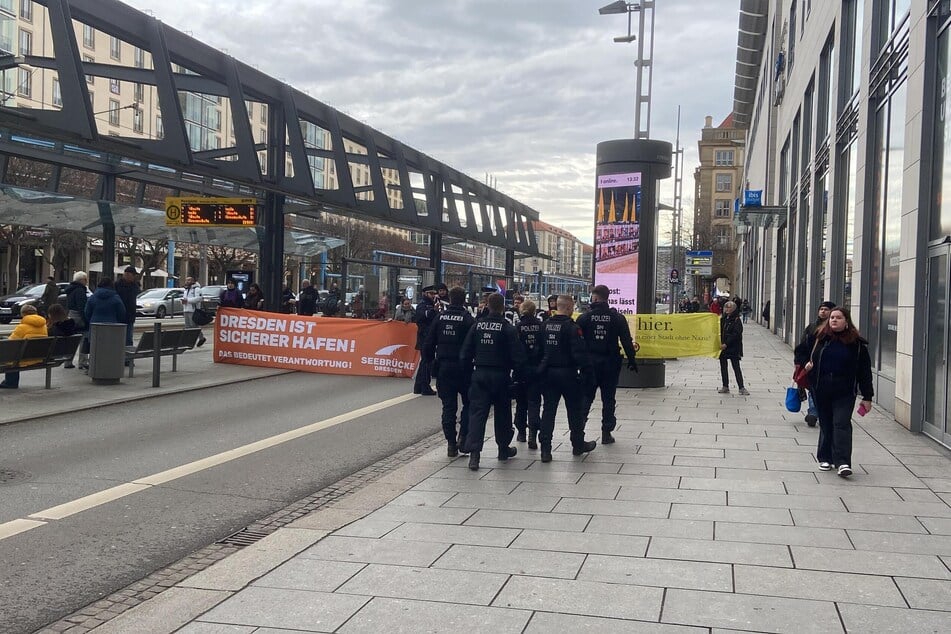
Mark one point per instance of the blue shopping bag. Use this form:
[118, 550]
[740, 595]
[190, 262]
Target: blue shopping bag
[793, 400]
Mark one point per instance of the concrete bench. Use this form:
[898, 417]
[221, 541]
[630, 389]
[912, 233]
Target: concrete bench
[171, 343]
[39, 353]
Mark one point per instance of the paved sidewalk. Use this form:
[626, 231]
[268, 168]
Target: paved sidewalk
[707, 515]
[73, 390]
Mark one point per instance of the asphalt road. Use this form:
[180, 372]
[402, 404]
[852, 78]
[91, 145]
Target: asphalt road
[53, 570]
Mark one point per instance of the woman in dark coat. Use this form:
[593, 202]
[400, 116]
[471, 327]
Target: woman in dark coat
[731, 348]
[230, 297]
[255, 298]
[839, 366]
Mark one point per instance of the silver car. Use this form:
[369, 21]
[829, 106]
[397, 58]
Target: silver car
[159, 302]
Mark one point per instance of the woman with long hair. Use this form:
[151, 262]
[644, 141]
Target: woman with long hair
[839, 367]
[255, 298]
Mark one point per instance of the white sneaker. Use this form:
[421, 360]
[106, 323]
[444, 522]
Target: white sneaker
[845, 470]
[825, 466]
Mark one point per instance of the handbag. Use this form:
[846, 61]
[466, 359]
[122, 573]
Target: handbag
[202, 317]
[801, 376]
[793, 401]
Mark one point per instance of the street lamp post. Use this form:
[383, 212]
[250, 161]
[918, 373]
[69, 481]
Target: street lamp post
[642, 100]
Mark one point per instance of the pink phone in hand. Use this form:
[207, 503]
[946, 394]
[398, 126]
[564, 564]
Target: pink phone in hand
[862, 410]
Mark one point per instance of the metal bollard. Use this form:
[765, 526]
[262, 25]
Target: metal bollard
[157, 355]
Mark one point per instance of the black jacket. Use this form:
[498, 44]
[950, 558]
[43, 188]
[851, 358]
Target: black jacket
[128, 291]
[564, 345]
[447, 334]
[65, 328]
[307, 301]
[76, 297]
[602, 327]
[804, 348]
[425, 315]
[493, 343]
[530, 334]
[731, 334]
[838, 373]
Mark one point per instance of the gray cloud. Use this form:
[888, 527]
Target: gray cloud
[521, 89]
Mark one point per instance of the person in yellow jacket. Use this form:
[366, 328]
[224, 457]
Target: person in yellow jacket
[31, 325]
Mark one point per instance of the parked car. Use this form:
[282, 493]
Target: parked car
[159, 302]
[210, 296]
[32, 295]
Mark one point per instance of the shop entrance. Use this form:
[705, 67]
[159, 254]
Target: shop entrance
[938, 392]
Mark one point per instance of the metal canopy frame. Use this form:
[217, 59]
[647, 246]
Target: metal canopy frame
[447, 202]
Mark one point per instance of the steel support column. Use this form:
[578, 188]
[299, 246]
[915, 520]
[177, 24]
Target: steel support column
[435, 255]
[509, 268]
[107, 195]
[271, 235]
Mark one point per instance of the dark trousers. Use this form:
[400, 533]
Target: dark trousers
[725, 374]
[12, 379]
[557, 384]
[489, 388]
[528, 402]
[128, 332]
[452, 382]
[423, 377]
[607, 371]
[835, 428]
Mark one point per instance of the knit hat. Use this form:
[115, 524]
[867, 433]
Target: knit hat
[829, 305]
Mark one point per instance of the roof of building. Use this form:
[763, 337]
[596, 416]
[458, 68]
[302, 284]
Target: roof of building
[539, 225]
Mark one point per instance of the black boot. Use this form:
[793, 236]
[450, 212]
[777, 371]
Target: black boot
[583, 448]
[546, 453]
[452, 450]
[474, 460]
[521, 436]
[507, 452]
[461, 444]
[533, 439]
[607, 438]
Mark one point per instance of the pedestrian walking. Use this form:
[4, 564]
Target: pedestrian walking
[31, 325]
[425, 315]
[307, 299]
[745, 310]
[255, 298]
[76, 295]
[493, 348]
[230, 297]
[528, 391]
[128, 289]
[839, 367]
[441, 349]
[731, 348]
[565, 368]
[105, 306]
[801, 356]
[603, 328]
[765, 313]
[190, 301]
[50, 295]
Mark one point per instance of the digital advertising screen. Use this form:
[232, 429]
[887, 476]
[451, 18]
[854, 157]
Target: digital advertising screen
[616, 238]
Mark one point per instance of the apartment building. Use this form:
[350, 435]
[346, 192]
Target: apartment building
[565, 250]
[846, 107]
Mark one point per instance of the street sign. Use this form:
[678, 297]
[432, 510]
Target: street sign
[211, 212]
[698, 263]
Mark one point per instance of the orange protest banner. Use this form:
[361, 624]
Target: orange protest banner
[315, 344]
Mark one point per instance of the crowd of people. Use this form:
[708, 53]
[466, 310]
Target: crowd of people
[539, 357]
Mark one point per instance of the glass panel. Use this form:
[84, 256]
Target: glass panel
[936, 412]
[875, 230]
[849, 210]
[892, 227]
[940, 221]
[822, 205]
[807, 127]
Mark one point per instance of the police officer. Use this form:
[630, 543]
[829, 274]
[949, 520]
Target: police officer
[443, 344]
[492, 346]
[425, 315]
[528, 392]
[565, 355]
[602, 327]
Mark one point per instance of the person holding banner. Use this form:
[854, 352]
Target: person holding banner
[492, 346]
[602, 327]
[441, 349]
[425, 315]
[565, 355]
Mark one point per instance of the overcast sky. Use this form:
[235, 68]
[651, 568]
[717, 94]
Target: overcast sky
[521, 89]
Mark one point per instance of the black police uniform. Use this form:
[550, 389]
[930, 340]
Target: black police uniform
[564, 356]
[443, 344]
[602, 327]
[528, 394]
[492, 346]
[425, 315]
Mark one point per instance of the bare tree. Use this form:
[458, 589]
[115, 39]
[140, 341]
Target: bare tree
[223, 259]
[13, 236]
[60, 245]
[153, 253]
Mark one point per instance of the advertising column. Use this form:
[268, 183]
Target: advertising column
[625, 233]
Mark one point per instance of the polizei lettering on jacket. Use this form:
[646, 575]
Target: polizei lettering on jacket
[489, 325]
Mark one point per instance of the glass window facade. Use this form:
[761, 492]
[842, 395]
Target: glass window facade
[723, 158]
[939, 225]
[724, 182]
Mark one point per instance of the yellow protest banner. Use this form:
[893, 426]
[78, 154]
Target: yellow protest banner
[678, 335]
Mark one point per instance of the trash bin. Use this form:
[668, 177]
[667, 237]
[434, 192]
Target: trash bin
[106, 352]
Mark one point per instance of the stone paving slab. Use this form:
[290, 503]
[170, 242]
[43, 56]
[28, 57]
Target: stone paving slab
[513, 561]
[872, 563]
[287, 609]
[791, 535]
[926, 594]
[875, 619]
[582, 597]
[404, 616]
[547, 622]
[375, 551]
[650, 527]
[310, 574]
[785, 501]
[821, 586]
[426, 584]
[473, 535]
[901, 542]
[593, 543]
[748, 612]
[680, 496]
[858, 521]
[663, 573]
[526, 519]
[719, 551]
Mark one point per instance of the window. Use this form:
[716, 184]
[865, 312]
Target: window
[137, 120]
[940, 222]
[138, 93]
[722, 208]
[825, 116]
[159, 129]
[89, 78]
[89, 36]
[723, 158]
[115, 48]
[792, 36]
[24, 82]
[263, 113]
[723, 236]
[784, 172]
[26, 42]
[850, 62]
[807, 126]
[724, 182]
[26, 10]
[113, 112]
[115, 87]
[57, 94]
[138, 57]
